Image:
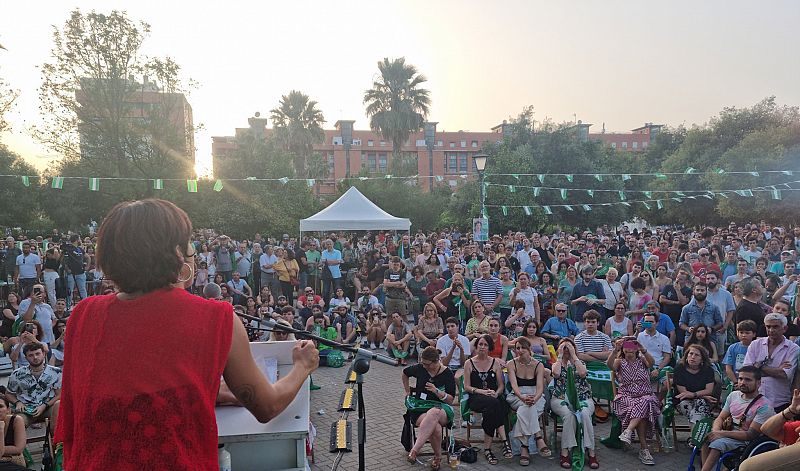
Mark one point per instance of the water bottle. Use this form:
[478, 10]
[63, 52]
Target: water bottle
[224, 458]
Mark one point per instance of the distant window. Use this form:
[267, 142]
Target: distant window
[613, 145]
[635, 144]
[463, 143]
[624, 144]
[420, 142]
[462, 163]
[452, 145]
[475, 144]
[644, 144]
[382, 162]
[370, 143]
[439, 143]
[363, 160]
[372, 164]
[383, 143]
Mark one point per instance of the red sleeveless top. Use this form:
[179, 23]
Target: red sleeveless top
[140, 380]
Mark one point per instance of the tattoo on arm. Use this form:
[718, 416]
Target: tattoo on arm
[246, 394]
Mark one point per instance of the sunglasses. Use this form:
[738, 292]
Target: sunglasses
[561, 310]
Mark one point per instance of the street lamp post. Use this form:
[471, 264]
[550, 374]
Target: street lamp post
[480, 165]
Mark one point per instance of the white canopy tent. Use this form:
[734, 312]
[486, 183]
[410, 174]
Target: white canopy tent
[353, 212]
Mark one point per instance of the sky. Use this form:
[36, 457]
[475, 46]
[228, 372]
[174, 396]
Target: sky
[617, 62]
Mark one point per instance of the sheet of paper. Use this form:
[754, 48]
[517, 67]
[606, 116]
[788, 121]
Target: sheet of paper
[269, 367]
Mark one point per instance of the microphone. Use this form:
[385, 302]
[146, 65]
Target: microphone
[362, 352]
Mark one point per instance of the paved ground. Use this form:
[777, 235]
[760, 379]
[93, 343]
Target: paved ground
[383, 393]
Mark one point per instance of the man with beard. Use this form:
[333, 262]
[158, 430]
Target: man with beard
[747, 410]
[700, 311]
[34, 390]
[723, 299]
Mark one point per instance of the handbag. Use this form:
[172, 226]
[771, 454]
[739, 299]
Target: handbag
[292, 279]
[469, 455]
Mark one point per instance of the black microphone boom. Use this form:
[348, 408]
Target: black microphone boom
[271, 324]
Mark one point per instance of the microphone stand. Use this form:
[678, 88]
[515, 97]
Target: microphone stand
[360, 366]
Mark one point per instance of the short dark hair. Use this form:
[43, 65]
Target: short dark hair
[32, 347]
[451, 320]
[488, 339]
[591, 314]
[756, 372]
[395, 259]
[747, 325]
[136, 244]
[638, 283]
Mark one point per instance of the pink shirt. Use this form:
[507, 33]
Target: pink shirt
[778, 391]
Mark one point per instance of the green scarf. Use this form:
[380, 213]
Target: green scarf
[421, 405]
[578, 454]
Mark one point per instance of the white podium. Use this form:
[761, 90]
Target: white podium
[280, 444]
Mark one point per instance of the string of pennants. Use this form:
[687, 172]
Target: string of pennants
[57, 182]
[628, 176]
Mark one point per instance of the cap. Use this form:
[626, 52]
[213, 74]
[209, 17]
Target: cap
[281, 296]
[286, 236]
[786, 252]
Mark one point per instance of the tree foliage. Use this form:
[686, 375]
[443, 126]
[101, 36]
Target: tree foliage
[298, 126]
[397, 105]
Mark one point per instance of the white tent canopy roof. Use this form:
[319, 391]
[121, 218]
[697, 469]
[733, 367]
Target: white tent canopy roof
[353, 212]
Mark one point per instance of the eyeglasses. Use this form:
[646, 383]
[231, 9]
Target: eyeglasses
[561, 310]
[704, 255]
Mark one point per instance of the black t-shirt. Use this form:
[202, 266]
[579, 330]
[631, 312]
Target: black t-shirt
[749, 310]
[299, 254]
[394, 293]
[513, 263]
[693, 382]
[545, 255]
[443, 381]
[74, 259]
[674, 310]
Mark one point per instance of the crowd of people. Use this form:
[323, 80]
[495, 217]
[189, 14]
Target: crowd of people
[706, 319]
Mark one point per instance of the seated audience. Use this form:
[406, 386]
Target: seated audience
[559, 327]
[12, 429]
[734, 357]
[35, 389]
[694, 384]
[776, 357]
[592, 344]
[526, 375]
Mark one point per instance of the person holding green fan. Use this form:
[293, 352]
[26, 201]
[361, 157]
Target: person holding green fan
[570, 380]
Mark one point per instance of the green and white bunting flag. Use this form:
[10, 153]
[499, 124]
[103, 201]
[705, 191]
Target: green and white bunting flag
[537, 191]
[661, 175]
[563, 193]
[755, 174]
[218, 185]
[57, 183]
[787, 173]
[310, 182]
[26, 181]
[285, 180]
[776, 194]
[621, 195]
[191, 186]
[512, 189]
[625, 177]
[568, 207]
[515, 175]
[626, 203]
[586, 207]
[540, 177]
[94, 184]
[158, 184]
[647, 206]
[598, 177]
[505, 210]
[659, 204]
[690, 170]
[527, 210]
[590, 193]
[679, 193]
[439, 178]
[707, 196]
[719, 170]
[676, 199]
[745, 193]
[547, 210]
[388, 176]
[648, 194]
[570, 177]
[724, 195]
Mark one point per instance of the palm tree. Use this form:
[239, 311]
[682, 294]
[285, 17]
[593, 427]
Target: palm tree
[396, 105]
[298, 126]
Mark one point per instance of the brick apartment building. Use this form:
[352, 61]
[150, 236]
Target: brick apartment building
[441, 157]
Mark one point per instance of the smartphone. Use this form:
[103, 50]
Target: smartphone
[37, 291]
[29, 327]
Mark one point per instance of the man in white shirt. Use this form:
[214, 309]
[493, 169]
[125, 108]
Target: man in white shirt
[35, 308]
[29, 268]
[454, 347]
[657, 345]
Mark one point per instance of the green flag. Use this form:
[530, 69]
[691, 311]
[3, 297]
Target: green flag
[646, 205]
[57, 183]
[568, 207]
[515, 175]
[218, 185]
[563, 193]
[158, 184]
[776, 194]
[388, 176]
[191, 186]
[590, 193]
[285, 180]
[680, 193]
[570, 177]
[310, 182]
[536, 191]
[690, 170]
[540, 177]
[787, 173]
[625, 177]
[648, 194]
[598, 177]
[439, 178]
[547, 210]
[755, 174]
[621, 195]
[512, 189]
[723, 195]
[94, 184]
[505, 210]
[659, 204]
[719, 170]
[661, 175]
[587, 207]
[527, 210]
[26, 180]
[746, 193]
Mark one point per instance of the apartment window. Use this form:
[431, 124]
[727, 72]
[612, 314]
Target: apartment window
[624, 144]
[452, 163]
[635, 144]
[452, 145]
[370, 143]
[462, 163]
[372, 164]
[644, 144]
[420, 142]
[382, 162]
[331, 164]
[439, 143]
[463, 143]
[474, 144]
[613, 145]
[383, 143]
[363, 160]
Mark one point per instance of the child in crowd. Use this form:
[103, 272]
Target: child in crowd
[734, 357]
